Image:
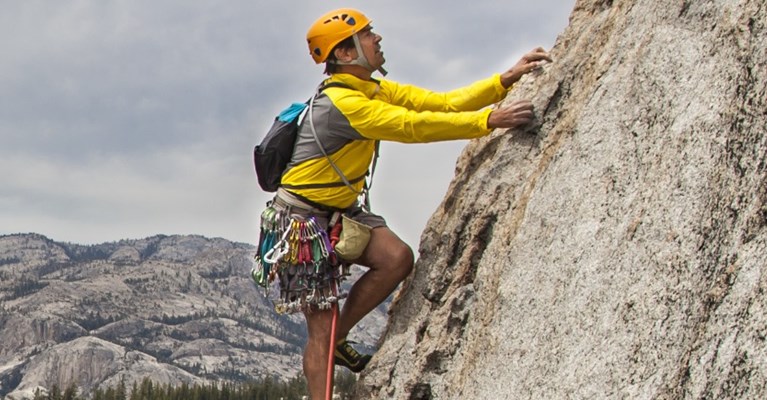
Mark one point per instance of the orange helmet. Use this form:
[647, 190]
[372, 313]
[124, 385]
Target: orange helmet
[331, 29]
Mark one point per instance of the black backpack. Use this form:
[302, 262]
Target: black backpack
[272, 155]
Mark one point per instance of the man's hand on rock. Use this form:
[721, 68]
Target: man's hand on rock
[514, 115]
[528, 63]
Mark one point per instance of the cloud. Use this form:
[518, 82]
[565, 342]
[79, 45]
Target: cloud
[126, 119]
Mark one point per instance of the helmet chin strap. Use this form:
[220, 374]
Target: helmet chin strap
[361, 59]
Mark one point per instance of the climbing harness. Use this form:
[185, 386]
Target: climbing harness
[298, 250]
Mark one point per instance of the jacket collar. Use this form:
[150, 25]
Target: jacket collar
[368, 88]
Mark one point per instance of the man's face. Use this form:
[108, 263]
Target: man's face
[371, 47]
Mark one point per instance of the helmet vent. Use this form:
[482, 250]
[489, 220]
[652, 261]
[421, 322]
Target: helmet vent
[343, 17]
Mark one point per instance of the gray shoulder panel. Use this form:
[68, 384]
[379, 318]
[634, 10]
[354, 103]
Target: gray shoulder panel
[333, 130]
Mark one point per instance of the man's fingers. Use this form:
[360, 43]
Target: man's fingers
[516, 114]
[521, 105]
[537, 55]
[524, 115]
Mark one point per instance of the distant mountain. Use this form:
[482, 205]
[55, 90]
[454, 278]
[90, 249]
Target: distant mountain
[177, 309]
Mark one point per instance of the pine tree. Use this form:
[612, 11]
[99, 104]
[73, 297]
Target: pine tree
[121, 393]
[70, 393]
[55, 393]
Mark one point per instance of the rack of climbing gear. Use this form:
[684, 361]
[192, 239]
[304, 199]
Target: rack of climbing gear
[296, 254]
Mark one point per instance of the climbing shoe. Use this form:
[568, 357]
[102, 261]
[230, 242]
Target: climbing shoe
[346, 356]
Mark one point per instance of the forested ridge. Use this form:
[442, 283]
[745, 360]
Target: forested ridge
[265, 389]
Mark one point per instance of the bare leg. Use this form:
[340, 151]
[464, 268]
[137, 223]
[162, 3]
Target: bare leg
[318, 324]
[390, 261]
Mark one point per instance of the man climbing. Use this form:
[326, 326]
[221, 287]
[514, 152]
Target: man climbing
[336, 144]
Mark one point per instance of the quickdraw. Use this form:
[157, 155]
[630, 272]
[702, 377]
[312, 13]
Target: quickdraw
[297, 253]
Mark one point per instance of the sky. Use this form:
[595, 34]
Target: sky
[124, 119]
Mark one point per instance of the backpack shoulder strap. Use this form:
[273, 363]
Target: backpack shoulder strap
[322, 149]
[346, 182]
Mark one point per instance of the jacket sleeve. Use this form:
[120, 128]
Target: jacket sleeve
[407, 114]
[469, 98]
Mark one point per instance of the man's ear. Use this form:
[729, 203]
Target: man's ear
[344, 55]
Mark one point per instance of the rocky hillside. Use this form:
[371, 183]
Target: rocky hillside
[178, 309]
[618, 248]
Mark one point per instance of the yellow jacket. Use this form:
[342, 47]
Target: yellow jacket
[348, 122]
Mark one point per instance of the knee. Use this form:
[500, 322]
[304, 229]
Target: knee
[318, 327]
[403, 259]
[387, 252]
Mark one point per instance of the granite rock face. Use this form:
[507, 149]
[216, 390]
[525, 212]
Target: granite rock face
[618, 247]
